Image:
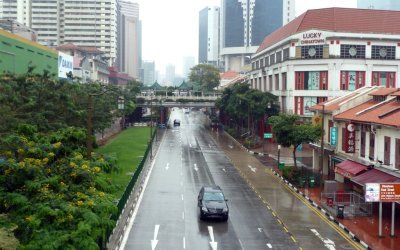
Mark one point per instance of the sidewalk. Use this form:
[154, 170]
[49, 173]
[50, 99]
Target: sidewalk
[365, 229]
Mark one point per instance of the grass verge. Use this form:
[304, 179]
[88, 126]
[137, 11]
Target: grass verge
[128, 149]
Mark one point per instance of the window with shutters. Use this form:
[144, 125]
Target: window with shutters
[352, 80]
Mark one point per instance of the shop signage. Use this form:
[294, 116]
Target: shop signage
[333, 136]
[350, 138]
[312, 38]
[343, 173]
[382, 192]
[65, 65]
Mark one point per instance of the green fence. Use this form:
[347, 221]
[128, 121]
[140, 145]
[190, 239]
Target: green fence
[128, 190]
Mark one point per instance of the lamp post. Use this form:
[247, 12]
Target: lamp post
[121, 107]
[89, 122]
[279, 155]
[321, 158]
[151, 128]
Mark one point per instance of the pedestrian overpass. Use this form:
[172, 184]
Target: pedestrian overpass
[176, 101]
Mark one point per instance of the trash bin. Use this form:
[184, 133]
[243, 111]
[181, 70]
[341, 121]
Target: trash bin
[281, 165]
[311, 181]
[302, 181]
[340, 211]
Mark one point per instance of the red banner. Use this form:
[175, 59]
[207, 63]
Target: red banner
[350, 137]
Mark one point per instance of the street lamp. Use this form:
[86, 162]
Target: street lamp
[121, 107]
[321, 160]
[279, 155]
[151, 128]
[89, 123]
[321, 156]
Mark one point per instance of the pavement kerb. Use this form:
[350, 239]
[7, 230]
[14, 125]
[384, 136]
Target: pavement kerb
[327, 214]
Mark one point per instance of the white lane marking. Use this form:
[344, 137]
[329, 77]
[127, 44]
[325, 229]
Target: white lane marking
[167, 167]
[195, 167]
[224, 170]
[209, 145]
[184, 243]
[155, 241]
[327, 242]
[135, 211]
[230, 146]
[251, 168]
[260, 229]
[183, 215]
[190, 145]
[269, 245]
[213, 243]
[182, 196]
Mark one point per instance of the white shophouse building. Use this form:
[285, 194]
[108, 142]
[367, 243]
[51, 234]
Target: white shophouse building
[326, 53]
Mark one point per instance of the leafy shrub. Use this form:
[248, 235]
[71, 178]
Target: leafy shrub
[291, 173]
[52, 194]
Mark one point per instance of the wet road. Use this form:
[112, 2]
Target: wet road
[264, 213]
[168, 216]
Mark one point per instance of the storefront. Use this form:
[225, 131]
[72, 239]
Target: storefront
[348, 169]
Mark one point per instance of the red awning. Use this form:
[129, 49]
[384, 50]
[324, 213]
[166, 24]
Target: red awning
[374, 176]
[349, 168]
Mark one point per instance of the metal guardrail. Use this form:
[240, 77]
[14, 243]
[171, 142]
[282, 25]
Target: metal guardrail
[128, 200]
[354, 204]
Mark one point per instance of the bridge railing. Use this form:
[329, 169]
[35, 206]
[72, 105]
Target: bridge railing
[176, 98]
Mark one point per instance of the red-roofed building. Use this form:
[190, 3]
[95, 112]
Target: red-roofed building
[362, 126]
[326, 53]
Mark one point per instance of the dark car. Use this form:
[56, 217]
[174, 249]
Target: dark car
[212, 203]
[177, 122]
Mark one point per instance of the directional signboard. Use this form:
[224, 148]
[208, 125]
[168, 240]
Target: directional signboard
[267, 135]
[382, 192]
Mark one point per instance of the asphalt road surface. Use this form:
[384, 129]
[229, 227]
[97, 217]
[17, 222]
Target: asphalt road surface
[190, 156]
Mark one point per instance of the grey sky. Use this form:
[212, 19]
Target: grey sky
[170, 28]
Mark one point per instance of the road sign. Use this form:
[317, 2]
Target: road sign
[382, 192]
[267, 135]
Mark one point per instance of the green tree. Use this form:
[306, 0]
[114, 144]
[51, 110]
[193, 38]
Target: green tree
[205, 76]
[241, 103]
[51, 193]
[289, 131]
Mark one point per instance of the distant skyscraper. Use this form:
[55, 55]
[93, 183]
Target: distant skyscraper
[245, 24]
[129, 38]
[84, 23]
[170, 75]
[379, 4]
[188, 63]
[149, 73]
[209, 35]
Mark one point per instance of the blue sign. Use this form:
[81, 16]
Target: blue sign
[333, 136]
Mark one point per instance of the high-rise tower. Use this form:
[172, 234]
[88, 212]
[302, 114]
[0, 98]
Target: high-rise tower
[84, 22]
[245, 23]
[209, 35]
[379, 4]
[129, 38]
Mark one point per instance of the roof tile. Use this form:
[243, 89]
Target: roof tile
[339, 20]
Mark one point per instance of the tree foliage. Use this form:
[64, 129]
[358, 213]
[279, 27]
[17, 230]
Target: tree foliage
[54, 196]
[242, 103]
[289, 131]
[52, 104]
[205, 76]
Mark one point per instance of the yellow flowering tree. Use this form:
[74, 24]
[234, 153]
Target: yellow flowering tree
[51, 194]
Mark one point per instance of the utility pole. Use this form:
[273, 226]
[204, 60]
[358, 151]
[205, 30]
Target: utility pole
[321, 158]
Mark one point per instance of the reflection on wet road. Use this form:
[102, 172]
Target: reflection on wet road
[190, 156]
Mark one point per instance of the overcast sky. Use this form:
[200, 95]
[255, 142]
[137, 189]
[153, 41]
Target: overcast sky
[170, 27]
